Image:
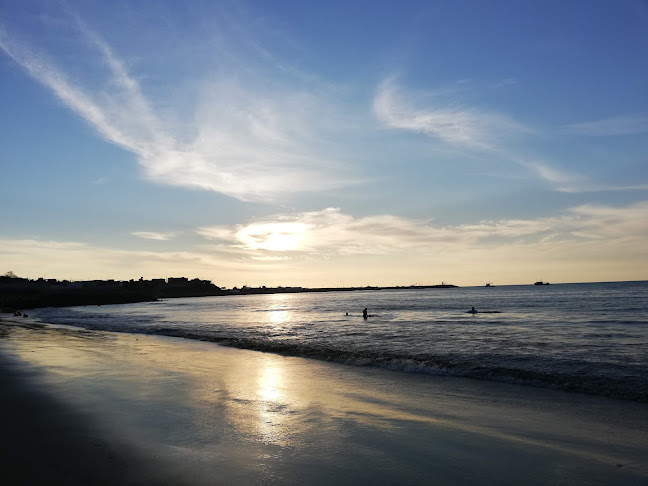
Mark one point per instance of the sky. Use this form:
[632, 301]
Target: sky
[325, 143]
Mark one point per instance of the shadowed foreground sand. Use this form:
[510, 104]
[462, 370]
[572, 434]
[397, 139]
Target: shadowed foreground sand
[86, 407]
[46, 442]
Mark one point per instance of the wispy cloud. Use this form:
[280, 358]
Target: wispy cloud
[631, 124]
[325, 231]
[598, 221]
[595, 187]
[330, 231]
[65, 259]
[247, 143]
[152, 235]
[569, 182]
[492, 133]
[561, 180]
[466, 128]
[505, 82]
[461, 126]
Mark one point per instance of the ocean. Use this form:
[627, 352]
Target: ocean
[590, 337]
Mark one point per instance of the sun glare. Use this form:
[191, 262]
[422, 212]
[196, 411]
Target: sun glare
[277, 313]
[278, 317]
[269, 382]
[273, 236]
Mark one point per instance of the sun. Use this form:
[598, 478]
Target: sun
[273, 236]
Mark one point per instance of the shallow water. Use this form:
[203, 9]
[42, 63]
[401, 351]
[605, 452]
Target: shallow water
[216, 415]
[589, 338]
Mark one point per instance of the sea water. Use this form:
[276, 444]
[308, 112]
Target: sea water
[590, 338]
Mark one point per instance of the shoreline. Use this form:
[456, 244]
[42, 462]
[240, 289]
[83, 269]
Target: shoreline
[387, 364]
[218, 414]
[383, 363]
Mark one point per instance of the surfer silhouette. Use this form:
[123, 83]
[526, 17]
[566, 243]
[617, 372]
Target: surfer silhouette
[364, 313]
[473, 310]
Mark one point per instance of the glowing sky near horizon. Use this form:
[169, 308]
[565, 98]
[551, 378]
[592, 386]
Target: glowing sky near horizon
[324, 144]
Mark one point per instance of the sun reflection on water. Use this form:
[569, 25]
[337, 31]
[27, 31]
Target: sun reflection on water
[269, 380]
[278, 317]
[272, 424]
[278, 313]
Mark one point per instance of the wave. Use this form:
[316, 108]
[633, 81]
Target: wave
[628, 388]
[563, 371]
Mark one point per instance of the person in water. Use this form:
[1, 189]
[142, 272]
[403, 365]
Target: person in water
[473, 310]
[364, 313]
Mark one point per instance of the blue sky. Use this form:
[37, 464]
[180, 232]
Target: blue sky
[337, 143]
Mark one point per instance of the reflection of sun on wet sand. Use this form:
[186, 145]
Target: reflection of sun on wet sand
[211, 414]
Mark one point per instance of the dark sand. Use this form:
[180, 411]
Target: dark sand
[84, 407]
[44, 441]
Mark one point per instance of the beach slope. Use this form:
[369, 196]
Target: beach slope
[88, 407]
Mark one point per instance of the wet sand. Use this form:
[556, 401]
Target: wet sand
[45, 441]
[86, 407]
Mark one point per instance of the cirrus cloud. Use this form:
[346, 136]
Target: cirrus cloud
[456, 125]
[244, 141]
[630, 124]
[153, 235]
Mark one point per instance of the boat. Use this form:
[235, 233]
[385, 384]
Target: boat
[489, 284]
[540, 282]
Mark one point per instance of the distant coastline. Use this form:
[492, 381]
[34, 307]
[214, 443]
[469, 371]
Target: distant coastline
[20, 293]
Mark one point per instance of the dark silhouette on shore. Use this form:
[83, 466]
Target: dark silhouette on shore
[20, 293]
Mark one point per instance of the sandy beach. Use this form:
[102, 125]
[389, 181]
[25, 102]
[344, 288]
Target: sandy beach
[95, 407]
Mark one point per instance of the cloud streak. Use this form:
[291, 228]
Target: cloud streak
[244, 144]
[631, 124]
[455, 125]
[152, 235]
[462, 127]
[562, 181]
[490, 133]
[76, 260]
